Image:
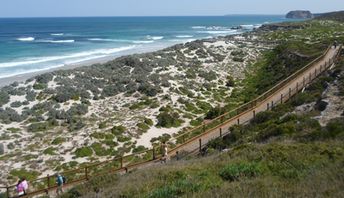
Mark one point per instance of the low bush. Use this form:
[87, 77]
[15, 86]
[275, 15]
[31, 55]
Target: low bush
[83, 152]
[233, 172]
[168, 120]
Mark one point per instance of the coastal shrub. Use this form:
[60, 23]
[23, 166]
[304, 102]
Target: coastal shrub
[77, 110]
[83, 152]
[16, 104]
[118, 130]
[50, 151]
[233, 172]
[28, 175]
[263, 116]
[139, 149]
[143, 126]
[196, 122]
[37, 127]
[100, 150]
[334, 127]
[44, 78]
[9, 115]
[274, 130]
[110, 90]
[208, 76]
[58, 140]
[148, 121]
[175, 189]
[190, 74]
[163, 138]
[230, 82]
[13, 129]
[122, 138]
[98, 135]
[214, 112]
[203, 105]
[238, 59]
[168, 120]
[4, 98]
[75, 123]
[102, 125]
[39, 86]
[148, 89]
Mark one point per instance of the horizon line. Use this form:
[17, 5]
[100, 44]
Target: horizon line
[14, 17]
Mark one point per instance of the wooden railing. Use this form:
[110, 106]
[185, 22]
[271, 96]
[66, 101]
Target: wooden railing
[191, 141]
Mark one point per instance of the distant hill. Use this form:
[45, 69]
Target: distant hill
[335, 16]
[299, 14]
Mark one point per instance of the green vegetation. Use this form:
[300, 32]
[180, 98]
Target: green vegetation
[233, 172]
[278, 154]
[83, 152]
[58, 140]
[20, 173]
[118, 130]
[50, 151]
[168, 120]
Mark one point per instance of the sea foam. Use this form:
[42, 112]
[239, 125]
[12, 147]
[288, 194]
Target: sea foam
[184, 36]
[57, 34]
[56, 41]
[99, 52]
[154, 37]
[26, 39]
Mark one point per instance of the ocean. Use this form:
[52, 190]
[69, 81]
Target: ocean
[36, 44]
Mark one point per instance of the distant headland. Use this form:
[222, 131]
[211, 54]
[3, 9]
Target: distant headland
[299, 14]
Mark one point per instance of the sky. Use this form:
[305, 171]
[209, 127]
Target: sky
[65, 8]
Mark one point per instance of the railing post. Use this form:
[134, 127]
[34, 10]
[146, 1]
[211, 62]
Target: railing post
[177, 154]
[48, 180]
[281, 98]
[289, 93]
[238, 121]
[220, 132]
[153, 153]
[267, 106]
[8, 192]
[200, 145]
[272, 104]
[297, 86]
[303, 82]
[86, 172]
[254, 113]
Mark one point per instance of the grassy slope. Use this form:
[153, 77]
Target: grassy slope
[273, 156]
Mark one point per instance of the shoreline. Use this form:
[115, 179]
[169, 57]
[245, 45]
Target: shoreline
[146, 49]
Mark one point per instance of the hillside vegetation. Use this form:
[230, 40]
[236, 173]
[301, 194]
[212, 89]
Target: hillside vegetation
[294, 150]
[281, 153]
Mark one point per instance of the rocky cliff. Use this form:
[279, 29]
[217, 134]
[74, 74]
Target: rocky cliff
[299, 14]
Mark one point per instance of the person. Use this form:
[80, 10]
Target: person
[164, 152]
[22, 187]
[59, 181]
[25, 185]
[19, 188]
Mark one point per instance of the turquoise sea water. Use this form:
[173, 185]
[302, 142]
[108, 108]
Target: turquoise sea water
[35, 44]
